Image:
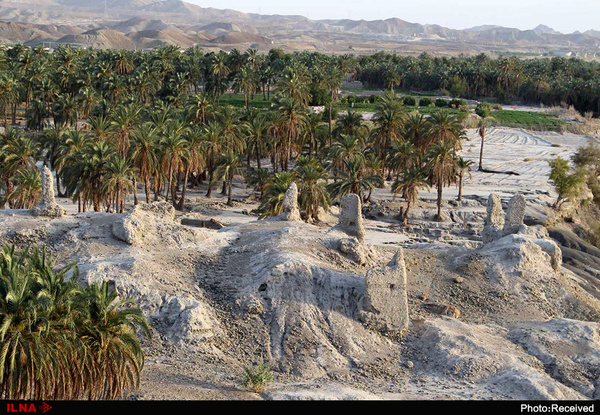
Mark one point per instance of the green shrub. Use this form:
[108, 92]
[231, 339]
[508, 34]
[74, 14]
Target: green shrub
[457, 103]
[320, 97]
[257, 377]
[425, 102]
[568, 184]
[483, 109]
[410, 101]
[441, 103]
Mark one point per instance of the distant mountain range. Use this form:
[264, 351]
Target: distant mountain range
[150, 23]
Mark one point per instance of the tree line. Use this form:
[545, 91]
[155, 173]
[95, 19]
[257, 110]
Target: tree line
[548, 81]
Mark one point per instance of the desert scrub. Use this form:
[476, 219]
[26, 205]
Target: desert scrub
[257, 377]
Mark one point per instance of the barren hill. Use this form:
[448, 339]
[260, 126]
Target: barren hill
[101, 38]
[290, 32]
[164, 37]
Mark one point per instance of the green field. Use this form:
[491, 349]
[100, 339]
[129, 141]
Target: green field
[526, 119]
[506, 118]
[237, 100]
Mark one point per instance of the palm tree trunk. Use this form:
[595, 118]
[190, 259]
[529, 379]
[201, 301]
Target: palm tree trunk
[274, 158]
[147, 188]
[439, 202]
[330, 119]
[406, 212]
[288, 154]
[229, 190]
[169, 182]
[135, 194]
[460, 186]
[210, 184]
[258, 155]
[481, 153]
[183, 190]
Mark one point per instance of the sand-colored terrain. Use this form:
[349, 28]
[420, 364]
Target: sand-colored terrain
[491, 321]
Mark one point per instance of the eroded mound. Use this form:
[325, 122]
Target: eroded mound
[286, 292]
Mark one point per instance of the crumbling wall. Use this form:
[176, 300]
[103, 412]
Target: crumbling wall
[48, 206]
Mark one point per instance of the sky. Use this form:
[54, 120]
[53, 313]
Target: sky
[565, 16]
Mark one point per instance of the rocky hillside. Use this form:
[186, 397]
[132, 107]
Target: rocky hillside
[242, 29]
[334, 316]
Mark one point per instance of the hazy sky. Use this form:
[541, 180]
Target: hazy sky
[563, 15]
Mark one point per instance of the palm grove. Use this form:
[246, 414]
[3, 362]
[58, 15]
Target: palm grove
[112, 122]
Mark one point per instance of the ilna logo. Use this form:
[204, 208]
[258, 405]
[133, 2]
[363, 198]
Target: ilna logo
[27, 407]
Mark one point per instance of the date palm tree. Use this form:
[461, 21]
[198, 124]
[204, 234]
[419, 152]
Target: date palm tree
[352, 180]
[272, 202]
[245, 82]
[446, 128]
[108, 330]
[388, 120]
[482, 129]
[464, 167]
[258, 179]
[256, 130]
[295, 83]
[351, 123]
[313, 194]
[228, 166]
[117, 183]
[294, 116]
[193, 160]
[173, 150]
[28, 190]
[61, 341]
[442, 169]
[408, 184]
[332, 82]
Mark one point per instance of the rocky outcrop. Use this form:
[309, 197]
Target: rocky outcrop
[48, 206]
[385, 304]
[514, 215]
[511, 234]
[354, 250]
[351, 220]
[482, 354]
[291, 212]
[188, 320]
[569, 349]
[494, 221]
[153, 222]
